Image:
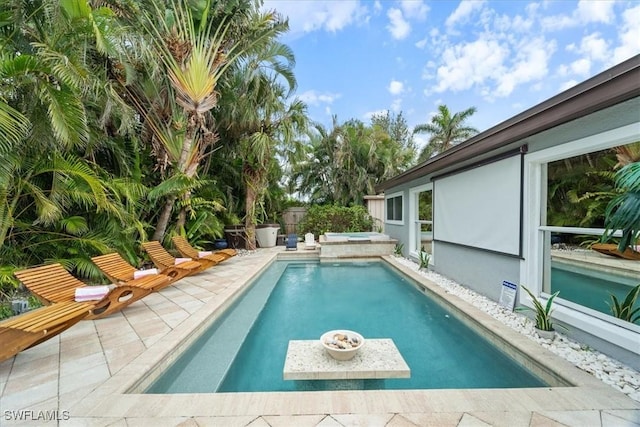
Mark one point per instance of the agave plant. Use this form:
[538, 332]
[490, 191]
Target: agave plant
[424, 258]
[398, 249]
[625, 309]
[543, 312]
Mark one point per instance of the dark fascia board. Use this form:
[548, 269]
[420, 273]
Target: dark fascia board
[613, 86]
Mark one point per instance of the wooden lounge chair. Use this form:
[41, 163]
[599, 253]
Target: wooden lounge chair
[33, 327]
[118, 270]
[163, 259]
[210, 259]
[53, 284]
[611, 249]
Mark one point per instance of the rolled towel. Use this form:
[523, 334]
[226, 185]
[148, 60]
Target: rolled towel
[181, 260]
[141, 273]
[204, 253]
[91, 293]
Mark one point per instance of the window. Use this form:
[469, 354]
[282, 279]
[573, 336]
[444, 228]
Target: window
[394, 208]
[567, 189]
[421, 220]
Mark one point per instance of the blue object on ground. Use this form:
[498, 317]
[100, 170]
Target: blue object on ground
[292, 242]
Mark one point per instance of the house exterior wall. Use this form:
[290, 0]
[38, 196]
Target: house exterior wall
[479, 270]
[483, 270]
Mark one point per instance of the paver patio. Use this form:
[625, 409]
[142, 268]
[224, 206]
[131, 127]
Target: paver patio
[85, 373]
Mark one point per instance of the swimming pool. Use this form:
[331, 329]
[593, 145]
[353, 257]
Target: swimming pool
[589, 287]
[244, 351]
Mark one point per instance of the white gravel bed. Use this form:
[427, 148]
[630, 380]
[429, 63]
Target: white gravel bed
[606, 369]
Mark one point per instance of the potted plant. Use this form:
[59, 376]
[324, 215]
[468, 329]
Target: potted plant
[544, 326]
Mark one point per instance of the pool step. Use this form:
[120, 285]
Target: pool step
[203, 366]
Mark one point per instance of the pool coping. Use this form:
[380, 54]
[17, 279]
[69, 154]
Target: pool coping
[111, 399]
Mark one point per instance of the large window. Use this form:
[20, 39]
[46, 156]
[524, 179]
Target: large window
[569, 187]
[578, 190]
[394, 208]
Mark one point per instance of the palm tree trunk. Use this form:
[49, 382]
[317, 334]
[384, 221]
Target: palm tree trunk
[163, 219]
[250, 218]
[182, 166]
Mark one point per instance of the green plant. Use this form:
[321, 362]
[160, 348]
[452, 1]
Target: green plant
[397, 250]
[623, 212]
[338, 219]
[543, 312]
[625, 310]
[33, 302]
[5, 311]
[424, 258]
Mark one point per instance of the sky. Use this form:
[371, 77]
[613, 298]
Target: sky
[358, 58]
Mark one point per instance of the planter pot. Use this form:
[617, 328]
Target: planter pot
[220, 243]
[547, 335]
[267, 235]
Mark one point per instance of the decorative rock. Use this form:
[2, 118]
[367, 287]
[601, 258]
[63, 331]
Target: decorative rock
[600, 365]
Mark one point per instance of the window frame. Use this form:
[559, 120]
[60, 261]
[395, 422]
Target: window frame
[388, 198]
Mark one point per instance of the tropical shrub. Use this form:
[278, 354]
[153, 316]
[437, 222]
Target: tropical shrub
[320, 219]
[624, 310]
[623, 212]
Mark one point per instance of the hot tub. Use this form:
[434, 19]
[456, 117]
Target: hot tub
[356, 245]
[355, 236]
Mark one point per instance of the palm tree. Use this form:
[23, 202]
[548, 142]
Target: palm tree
[347, 163]
[258, 119]
[195, 49]
[446, 130]
[52, 83]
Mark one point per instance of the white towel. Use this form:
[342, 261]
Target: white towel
[181, 260]
[141, 273]
[204, 253]
[91, 293]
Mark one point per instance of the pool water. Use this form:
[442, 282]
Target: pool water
[312, 298]
[588, 287]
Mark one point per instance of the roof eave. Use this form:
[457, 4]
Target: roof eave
[611, 87]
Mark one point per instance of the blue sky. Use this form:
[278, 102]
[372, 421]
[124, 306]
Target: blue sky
[356, 58]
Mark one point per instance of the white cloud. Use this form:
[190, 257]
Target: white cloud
[629, 36]
[395, 87]
[581, 67]
[396, 105]
[464, 10]
[595, 47]
[369, 114]
[414, 9]
[530, 65]
[398, 26]
[595, 11]
[309, 16]
[586, 12]
[467, 64]
[311, 97]
[421, 43]
[377, 6]
[568, 84]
